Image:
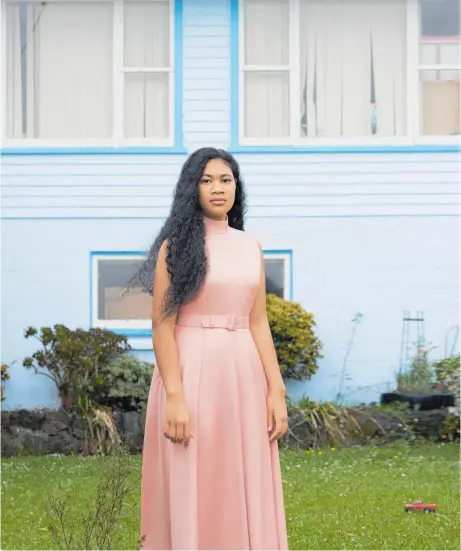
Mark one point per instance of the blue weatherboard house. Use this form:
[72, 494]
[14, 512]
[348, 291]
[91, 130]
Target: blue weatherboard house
[344, 116]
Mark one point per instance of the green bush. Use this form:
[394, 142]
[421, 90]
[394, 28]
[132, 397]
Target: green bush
[447, 375]
[74, 359]
[326, 423]
[298, 348]
[5, 377]
[420, 376]
[451, 427]
[126, 384]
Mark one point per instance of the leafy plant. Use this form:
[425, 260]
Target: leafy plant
[97, 527]
[328, 423]
[447, 374]
[126, 384]
[420, 377]
[451, 427]
[5, 376]
[74, 359]
[297, 346]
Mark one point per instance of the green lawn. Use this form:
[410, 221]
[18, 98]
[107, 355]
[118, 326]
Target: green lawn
[338, 499]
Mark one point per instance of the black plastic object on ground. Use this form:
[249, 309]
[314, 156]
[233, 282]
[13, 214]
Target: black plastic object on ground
[425, 402]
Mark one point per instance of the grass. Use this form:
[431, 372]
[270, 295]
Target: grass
[336, 499]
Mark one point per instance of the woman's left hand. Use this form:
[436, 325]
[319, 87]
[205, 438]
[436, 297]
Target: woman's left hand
[277, 415]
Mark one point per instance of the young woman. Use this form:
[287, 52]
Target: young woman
[210, 469]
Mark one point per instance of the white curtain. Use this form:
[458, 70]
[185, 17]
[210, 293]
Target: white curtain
[352, 68]
[60, 67]
[267, 92]
[59, 70]
[147, 45]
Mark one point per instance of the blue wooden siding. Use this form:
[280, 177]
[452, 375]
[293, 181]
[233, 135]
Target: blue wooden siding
[374, 233]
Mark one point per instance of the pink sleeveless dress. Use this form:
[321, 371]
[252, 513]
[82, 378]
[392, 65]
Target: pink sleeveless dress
[225, 490]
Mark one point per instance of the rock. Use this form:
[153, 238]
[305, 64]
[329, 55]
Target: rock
[428, 423]
[132, 431]
[47, 431]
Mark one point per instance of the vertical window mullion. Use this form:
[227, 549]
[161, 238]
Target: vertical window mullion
[118, 73]
[413, 99]
[241, 72]
[171, 75]
[294, 78]
[7, 126]
[286, 278]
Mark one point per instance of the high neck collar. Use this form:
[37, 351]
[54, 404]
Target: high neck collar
[216, 226]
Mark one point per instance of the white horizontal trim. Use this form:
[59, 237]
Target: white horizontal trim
[266, 68]
[122, 142]
[438, 140]
[333, 141]
[122, 324]
[115, 256]
[74, 1]
[147, 69]
[439, 67]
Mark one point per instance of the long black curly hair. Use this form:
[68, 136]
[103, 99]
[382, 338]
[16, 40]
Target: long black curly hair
[184, 229]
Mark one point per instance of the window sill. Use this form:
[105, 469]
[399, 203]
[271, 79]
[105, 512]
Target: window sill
[138, 339]
[14, 151]
[351, 149]
[133, 333]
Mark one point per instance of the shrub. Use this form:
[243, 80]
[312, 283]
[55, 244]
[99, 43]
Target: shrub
[126, 384]
[451, 427]
[297, 347]
[420, 377]
[447, 375]
[98, 525]
[326, 423]
[74, 359]
[5, 377]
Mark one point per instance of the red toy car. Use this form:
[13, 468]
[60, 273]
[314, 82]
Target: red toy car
[418, 505]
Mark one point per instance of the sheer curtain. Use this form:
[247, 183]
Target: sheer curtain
[59, 70]
[440, 88]
[352, 68]
[266, 68]
[147, 46]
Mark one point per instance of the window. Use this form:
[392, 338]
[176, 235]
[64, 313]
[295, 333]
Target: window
[320, 71]
[113, 306]
[278, 270]
[439, 67]
[89, 71]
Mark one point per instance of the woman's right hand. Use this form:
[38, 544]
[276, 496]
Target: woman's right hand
[177, 420]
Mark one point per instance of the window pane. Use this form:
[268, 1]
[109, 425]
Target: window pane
[59, 70]
[266, 32]
[267, 104]
[439, 26]
[353, 68]
[115, 302]
[147, 105]
[275, 276]
[147, 34]
[440, 100]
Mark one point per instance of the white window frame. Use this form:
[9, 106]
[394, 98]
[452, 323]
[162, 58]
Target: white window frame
[141, 324]
[286, 258]
[118, 72]
[413, 68]
[129, 324]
